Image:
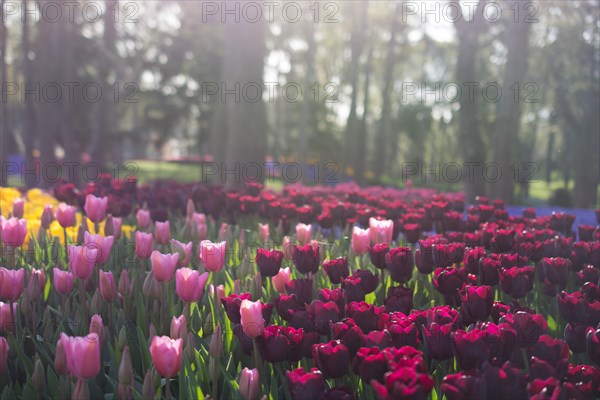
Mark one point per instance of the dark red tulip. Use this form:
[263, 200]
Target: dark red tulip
[554, 351]
[448, 281]
[472, 259]
[232, 305]
[412, 232]
[438, 341]
[268, 261]
[368, 280]
[556, 270]
[580, 255]
[443, 315]
[245, 340]
[336, 269]
[540, 369]
[424, 257]
[584, 375]
[575, 336]
[380, 339]
[404, 384]
[365, 315]
[506, 382]
[462, 386]
[302, 288]
[503, 241]
[306, 258]
[370, 363]
[332, 359]
[353, 289]
[405, 357]
[498, 310]
[588, 273]
[348, 333]
[399, 298]
[400, 263]
[284, 304]
[501, 340]
[323, 313]
[302, 319]
[377, 254]
[572, 307]
[477, 303]
[470, 348]
[306, 385]
[516, 281]
[489, 271]
[339, 393]
[529, 327]
[336, 295]
[592, 344]
[277, 343]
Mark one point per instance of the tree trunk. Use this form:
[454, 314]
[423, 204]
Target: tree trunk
[245, 122]
[29, 122]
[306, 128]
[4, 127]
[506, 138]
[361, 155]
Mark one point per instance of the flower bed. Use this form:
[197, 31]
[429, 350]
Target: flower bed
[190, 291]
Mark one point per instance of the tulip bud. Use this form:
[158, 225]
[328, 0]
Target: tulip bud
[256, 287]
[148, 389]
[82, 230]
[97, 326]
[151, 287]
[190, 346]
[122, 340]
[151, 332]
[124, 392]
[216, 342]
[178, 328]
[125, 368]
[25, 307]
[249, 384]
[190, 209]
[107, 286]
[108, 226]
[47, 217]
[96, 306]
[18, 208]
[81, 391]
[124, 287]
[33, 288]
[60, 359]
[39, 376]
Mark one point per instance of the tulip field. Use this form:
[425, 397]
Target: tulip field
[188, 291]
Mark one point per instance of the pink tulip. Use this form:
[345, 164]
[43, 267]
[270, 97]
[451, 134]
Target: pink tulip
[189, 284]
[263, 232]
[108, 288]
[249, 384]
[65, 215]
[360, 240]
[143, 245]
[163, 265]
[166, 355]
[201, 231]
[83, 355]
[143, 218]
[303, 233]
[3, 355]
[97, 326]
[82, 261]
[162, 232]
[18, 208]
[381, 231]
[102, 244]
[14, 231]
[6, 323]
[212, 255]
[117, 227]
[252, 319]
[224, 232]
[280, 279]
[184, 250]
[220, 292]
[11, 284]
[178, 328]
[124, 286]
[288, 246]
[95, 208]
[199, 218]
[63, 281]
[37, 283]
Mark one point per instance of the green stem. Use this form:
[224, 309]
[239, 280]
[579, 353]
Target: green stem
[168, 389]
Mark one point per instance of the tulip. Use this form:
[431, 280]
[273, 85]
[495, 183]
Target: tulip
[400, 263]
[263, 233]
[306, 258]
[184, 250]
[47, 217]
[97, 326]
[302, 288]
[189, 284]
[370, 363]
[18, 208]
[60, 359]
[303, 233]
[251, 318]
[11, 284]
[14, 231]
[125, 374]
[399, 299]
[278, 344]
[117, 227]
[516, 281]
[6, 322]
[288, 246]
[332, 359]
[360, 240]
[336, 269]
[368, 280]
[178, 327]
[306, 385]
[212, 255]
[378, 254]
[232, 306]
[324, 313]
[63, 281]
[108, 288]
[470, 348]
[82, 261]
[163, 265]
[529, 327]
[201, 231]
[279, 280]
[438, 341]
[463, 386]
[162, 232]
[65, 215]
[83, 355]
[3, 355]
[379, 339]
[592, 342]
[124, 287]
[166, 355]
[103, 245]
[95, 208]
[249, 384]
[143, 218]
[143, 245]
[477, 303]
[269, 262]
[381, 231]
[215, 347]
[36, 285]
[365, 315]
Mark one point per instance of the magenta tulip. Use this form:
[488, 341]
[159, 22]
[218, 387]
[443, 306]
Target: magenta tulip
[143, 218]
[252, 319]
[184, 250]
[166, 355]
[3, 355]
[108, 289]
[249, 384]
[11, 284]
[65, 215]
[14, 231]
[82, 261]
[95, 208]
[102, 244]
[189, 284]
[360, 240]
[280, 279]
[83, 355]
[18, 207]
[163, 265]
[212, 255]
[162, 232]
[63, 281]
[143, 245]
